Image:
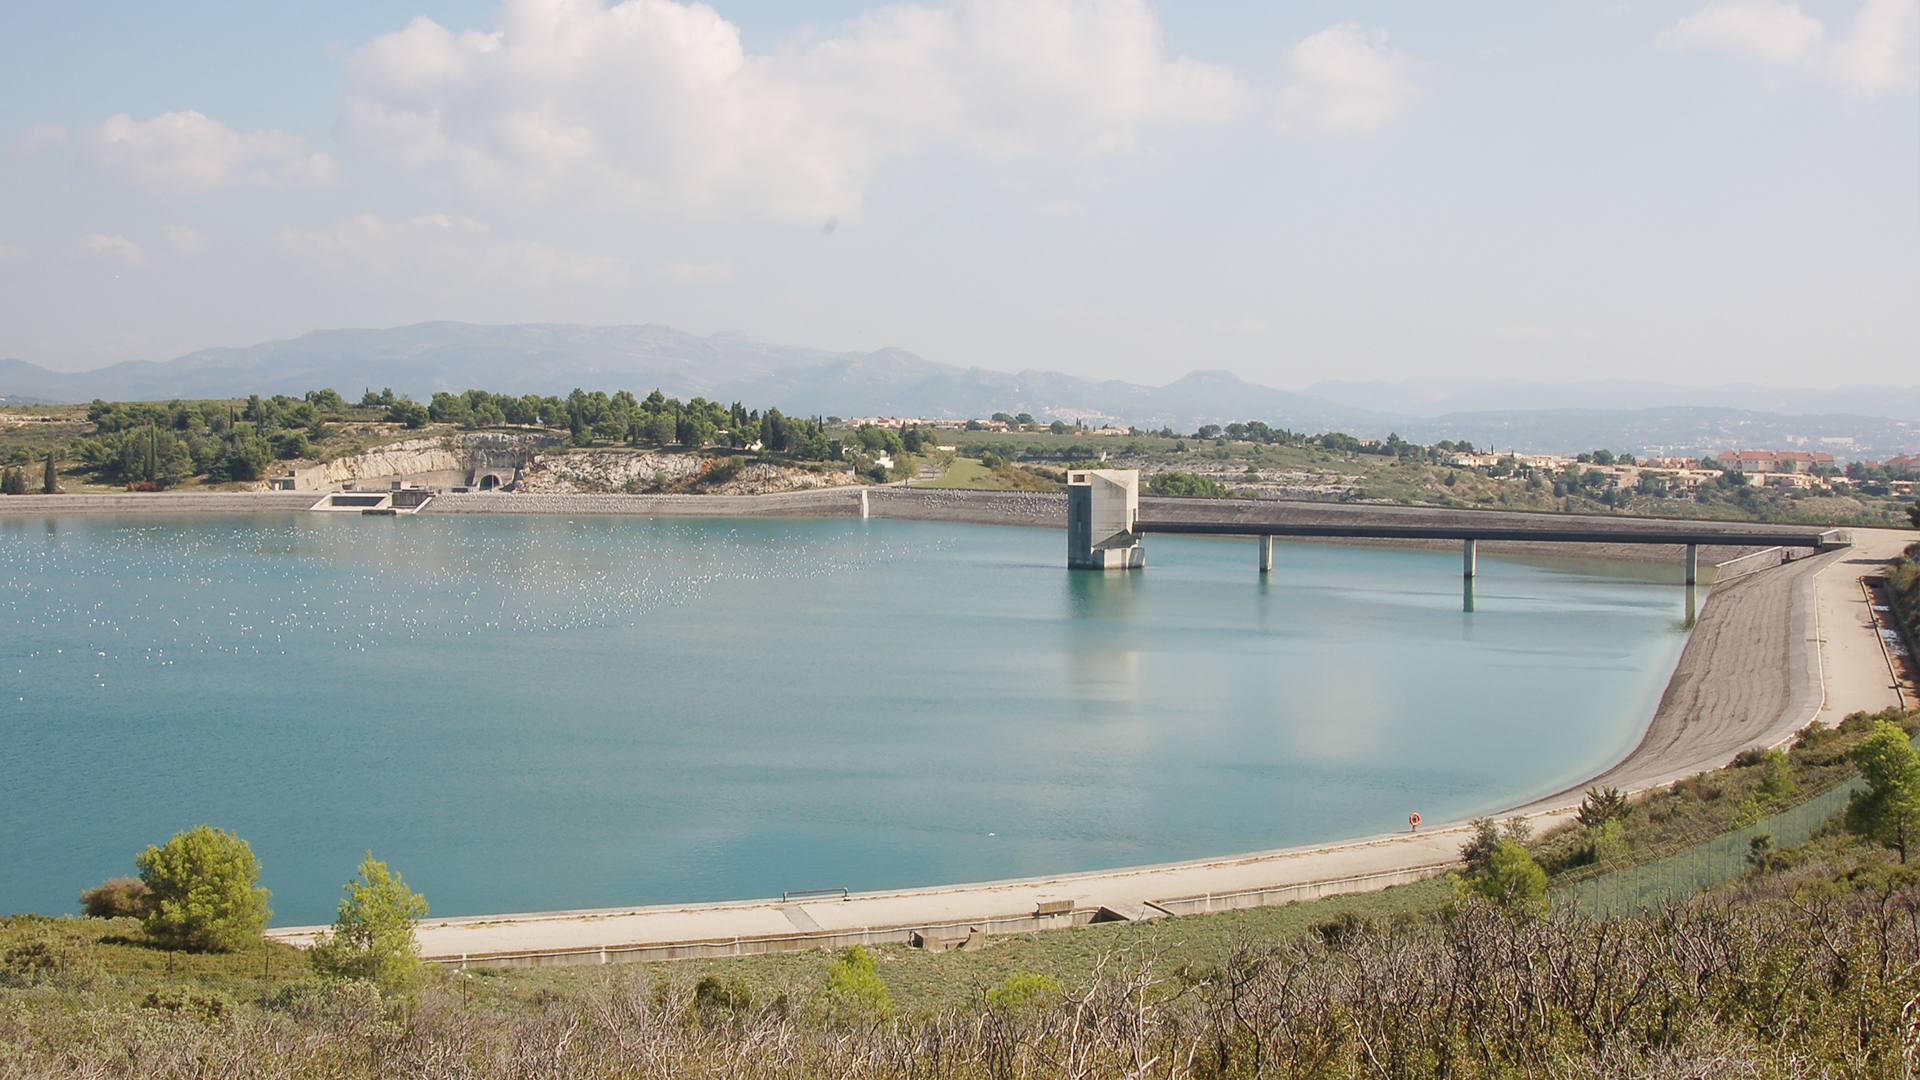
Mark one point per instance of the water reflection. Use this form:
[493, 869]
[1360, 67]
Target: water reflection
[1466, 595]
[1104, 594]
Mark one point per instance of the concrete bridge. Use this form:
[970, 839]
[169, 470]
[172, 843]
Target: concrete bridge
[1105, 527]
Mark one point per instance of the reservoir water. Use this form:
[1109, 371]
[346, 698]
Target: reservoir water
[525, 713]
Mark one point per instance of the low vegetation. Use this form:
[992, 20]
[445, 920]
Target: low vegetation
[1613, 832]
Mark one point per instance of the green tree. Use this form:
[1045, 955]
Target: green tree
[1888, 812]
[13, 482]
[202, 892]
[1913, 514]
[372, 936]
[50, 486]
[854, 984]
[1185, 485]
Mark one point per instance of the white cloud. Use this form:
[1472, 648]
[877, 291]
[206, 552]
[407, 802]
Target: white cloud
[186, 241]
[686, 271]
[11, 254]
[1876, 57]
[186, 153]
[40, 135]
[1345, 81]
[114, 249]
[442, 255]
[655, 107]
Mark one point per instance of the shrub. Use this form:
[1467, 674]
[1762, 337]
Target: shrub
[34, 951]
[202, 893]
[204, 1005]
[1608, 840]
[1023, 990]
[372, 937]
[1776, 776]
[1512, 880]
[713, 992]
[115, 898]
[854, 984]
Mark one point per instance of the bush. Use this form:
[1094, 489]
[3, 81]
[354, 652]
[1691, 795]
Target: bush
[372, 936]
[1023, 991]
[713, 992]
[854, 984]
[202, 893]
[34, 951]
[115, 898]
[1512, 880]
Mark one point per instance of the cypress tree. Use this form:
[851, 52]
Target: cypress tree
[49, 487]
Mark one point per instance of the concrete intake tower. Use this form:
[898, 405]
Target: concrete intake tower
[1103, 505]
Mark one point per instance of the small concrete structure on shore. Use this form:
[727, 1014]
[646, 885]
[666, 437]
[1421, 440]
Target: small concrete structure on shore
[1102, 507]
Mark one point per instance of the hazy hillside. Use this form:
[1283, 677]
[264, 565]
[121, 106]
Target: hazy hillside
[552, 359]
[1433, 397]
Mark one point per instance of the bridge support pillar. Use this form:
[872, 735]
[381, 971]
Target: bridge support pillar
[1693, 563]
[1266, 554]
[1469, 559]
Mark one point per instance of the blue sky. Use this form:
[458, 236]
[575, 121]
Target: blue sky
[1695, 191]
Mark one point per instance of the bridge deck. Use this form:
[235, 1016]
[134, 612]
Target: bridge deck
[1546, 532]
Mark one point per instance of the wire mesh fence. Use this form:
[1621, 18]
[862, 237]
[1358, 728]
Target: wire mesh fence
[1694, 866]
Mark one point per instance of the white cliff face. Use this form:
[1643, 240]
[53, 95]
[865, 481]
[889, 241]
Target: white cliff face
[603, 472]
[596, 472]
[764, 479]
[397, 459]
[609, 471]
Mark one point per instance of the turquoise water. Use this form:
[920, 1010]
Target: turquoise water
[533, 713]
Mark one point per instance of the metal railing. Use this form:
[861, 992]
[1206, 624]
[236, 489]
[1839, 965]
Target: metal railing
[791, 893]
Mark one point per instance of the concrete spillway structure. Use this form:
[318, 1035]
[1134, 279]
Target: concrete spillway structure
[1102, 507]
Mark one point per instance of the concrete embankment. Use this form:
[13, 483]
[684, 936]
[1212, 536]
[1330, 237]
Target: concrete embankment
[1749, 676]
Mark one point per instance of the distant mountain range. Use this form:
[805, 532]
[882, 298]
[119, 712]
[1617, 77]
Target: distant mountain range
[418, 360]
